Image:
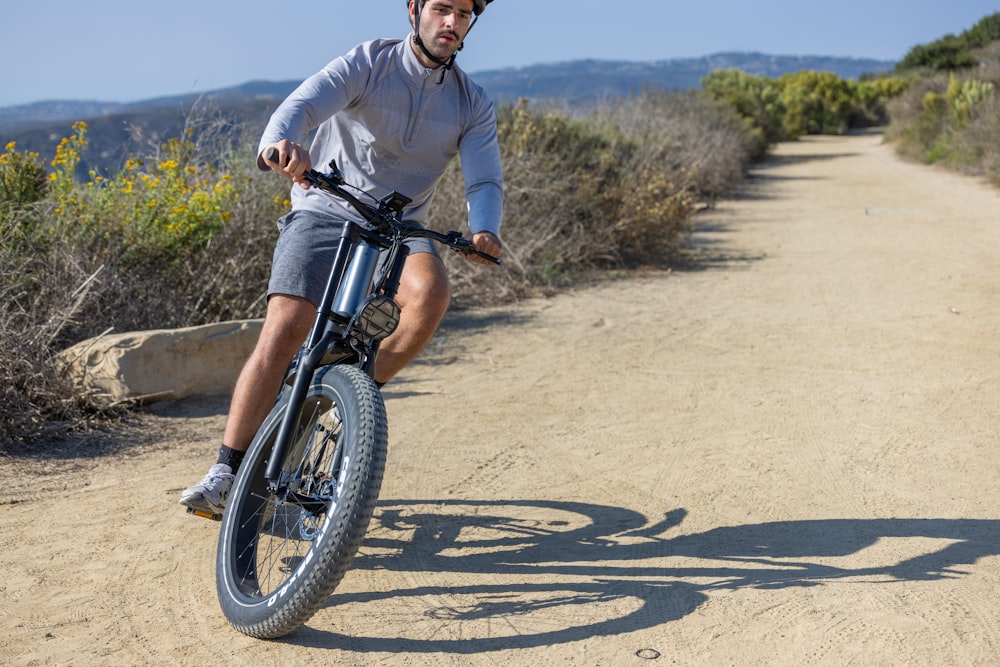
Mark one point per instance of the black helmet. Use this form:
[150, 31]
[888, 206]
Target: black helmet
[478, 6]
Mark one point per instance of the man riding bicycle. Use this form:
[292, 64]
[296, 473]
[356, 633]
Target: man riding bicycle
[392, 114]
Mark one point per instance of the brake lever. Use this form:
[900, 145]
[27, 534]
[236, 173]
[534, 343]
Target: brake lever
[463, 246]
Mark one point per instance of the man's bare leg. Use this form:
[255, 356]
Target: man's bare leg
[285, 328]
[423, 300]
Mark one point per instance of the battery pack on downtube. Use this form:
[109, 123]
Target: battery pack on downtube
[354, 286]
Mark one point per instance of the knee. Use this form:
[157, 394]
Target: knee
[285, 328]
[436, 296]
[425, 289]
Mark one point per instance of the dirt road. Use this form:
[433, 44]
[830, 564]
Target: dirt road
[787, 456]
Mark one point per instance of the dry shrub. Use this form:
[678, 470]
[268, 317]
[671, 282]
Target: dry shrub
[60, 285]
[652, 213]
[704, 145]
[615, 186]
[977, 145]
[42, 291]
[951, 119]
[555, 170]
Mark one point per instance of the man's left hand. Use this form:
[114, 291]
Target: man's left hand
[485, 242]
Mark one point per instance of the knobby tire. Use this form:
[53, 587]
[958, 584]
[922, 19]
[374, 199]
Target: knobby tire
[279, 559]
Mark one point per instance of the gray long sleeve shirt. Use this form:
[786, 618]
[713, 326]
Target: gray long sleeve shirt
[390, 125]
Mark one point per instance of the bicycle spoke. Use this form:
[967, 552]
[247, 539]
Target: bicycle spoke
[285, 530]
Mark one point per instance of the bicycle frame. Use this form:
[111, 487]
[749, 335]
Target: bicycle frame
[331, 328]
[357, 310]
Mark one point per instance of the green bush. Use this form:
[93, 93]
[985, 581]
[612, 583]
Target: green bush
[801, 103]
[870, 98]
[816, 103]
[946, 54]
[964, 97]
[756, 99]
[985, 31]
[144, 214]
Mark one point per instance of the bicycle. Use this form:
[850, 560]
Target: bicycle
[303, 498]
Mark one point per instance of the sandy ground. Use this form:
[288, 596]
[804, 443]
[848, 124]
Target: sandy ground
[784, 456]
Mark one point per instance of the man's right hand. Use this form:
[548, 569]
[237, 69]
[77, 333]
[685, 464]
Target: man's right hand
[292, 160]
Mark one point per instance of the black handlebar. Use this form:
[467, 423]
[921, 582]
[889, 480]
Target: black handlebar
[388, 210]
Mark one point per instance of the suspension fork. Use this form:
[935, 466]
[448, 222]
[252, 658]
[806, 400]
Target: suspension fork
[312, 353]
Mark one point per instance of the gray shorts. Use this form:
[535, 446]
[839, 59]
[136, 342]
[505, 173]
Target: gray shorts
[304, 253]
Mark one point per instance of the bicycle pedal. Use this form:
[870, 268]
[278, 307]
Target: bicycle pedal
[204, 515]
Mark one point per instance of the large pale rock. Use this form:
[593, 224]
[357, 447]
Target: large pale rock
[163, 364]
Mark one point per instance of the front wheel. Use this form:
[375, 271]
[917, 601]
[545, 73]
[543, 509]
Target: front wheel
[283, 550]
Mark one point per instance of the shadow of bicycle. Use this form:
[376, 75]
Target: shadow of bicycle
[557, 572]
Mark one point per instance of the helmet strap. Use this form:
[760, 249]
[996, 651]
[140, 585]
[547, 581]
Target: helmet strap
[445, 65]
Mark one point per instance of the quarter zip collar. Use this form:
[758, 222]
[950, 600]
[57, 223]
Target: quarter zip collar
[424, 86]
[417, 74]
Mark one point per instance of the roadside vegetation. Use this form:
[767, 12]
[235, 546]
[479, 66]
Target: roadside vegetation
[939, 105]
[183, 233]
[950, 114]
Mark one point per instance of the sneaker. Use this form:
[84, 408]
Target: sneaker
[209, 496]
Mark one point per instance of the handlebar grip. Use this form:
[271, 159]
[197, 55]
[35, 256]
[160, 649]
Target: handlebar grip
[273, 155]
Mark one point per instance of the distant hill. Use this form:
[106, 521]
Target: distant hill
[586, 80]
[26, 116]
[116, 130]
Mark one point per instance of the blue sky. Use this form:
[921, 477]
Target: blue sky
[121, 51]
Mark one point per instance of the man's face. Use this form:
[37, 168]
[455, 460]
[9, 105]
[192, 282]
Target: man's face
[443, 25]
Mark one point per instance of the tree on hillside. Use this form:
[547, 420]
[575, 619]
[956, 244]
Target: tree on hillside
[984, 32]
[952, 52]
[944, 55]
